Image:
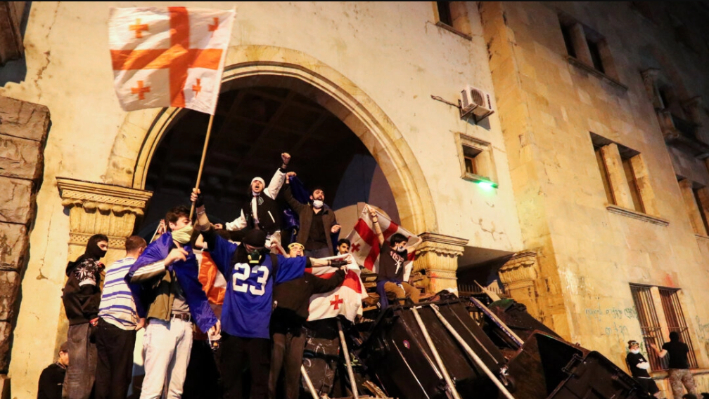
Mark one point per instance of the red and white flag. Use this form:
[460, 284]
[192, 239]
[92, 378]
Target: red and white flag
[168, 56]
[344, 300]
[365, 243]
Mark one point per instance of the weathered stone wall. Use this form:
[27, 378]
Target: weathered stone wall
[548, 105]
[23, 131]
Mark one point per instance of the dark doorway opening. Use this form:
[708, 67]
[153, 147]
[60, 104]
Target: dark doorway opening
[252, 127]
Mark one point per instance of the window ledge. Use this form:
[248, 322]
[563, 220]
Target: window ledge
[576, 62]
[662, 374]
[477, 178]
[637, 215]
[453, 30]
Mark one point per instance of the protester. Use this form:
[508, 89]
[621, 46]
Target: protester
[392, 256]
[679, 373]
[51, 380]
[343, 246]
[262, 212]
[639, 367]
[317, 221]
[251, 272]
[168, 271]
[295, 249]
[118, 322]
[82, 296]
[292, 299]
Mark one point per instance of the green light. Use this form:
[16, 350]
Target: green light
[487, 185]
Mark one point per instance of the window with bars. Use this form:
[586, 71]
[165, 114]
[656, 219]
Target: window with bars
[650, 323]
[675, 320]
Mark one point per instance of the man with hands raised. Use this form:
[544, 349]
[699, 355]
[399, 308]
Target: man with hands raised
[250, 271]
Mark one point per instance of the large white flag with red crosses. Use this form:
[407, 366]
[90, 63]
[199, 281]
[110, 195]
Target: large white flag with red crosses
[168, 56]
[344, 300]
[365, 243]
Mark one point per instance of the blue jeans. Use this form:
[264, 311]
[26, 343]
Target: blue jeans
[79, 379]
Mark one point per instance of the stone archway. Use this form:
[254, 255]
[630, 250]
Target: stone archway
[250, 66]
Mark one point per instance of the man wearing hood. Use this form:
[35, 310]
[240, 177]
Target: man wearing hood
[639, 367]
[262, 212]
[168, 273]
[82, 297]
[251, 273]
[317, 221]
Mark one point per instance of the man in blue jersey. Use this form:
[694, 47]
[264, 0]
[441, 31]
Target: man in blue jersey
[250, 271]
[119, 319]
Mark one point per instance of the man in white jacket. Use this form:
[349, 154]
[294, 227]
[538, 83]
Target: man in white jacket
[262, 212]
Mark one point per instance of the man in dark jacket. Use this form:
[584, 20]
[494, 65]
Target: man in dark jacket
[262, 212]
[639, 367]
[292, 299]
[52, 378]
[82, 297]
[317, 222]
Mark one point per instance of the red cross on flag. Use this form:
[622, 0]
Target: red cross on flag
[344, 300]
[365, 244]
[168, 56]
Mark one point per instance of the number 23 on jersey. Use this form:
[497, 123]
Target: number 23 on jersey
[242, 272]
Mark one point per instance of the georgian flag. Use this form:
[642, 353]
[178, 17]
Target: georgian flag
[365, 244]
[168, 56]
[345, 300]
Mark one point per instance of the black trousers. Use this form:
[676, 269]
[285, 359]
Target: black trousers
[287, 353]
[115, 361]
[236, 352]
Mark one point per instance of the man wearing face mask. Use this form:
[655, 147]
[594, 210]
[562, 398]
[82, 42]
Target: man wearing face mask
[392, 256]
[168, 273]
[82, 297]
[639, 367]
[251, 273]
[317, 221]
[262, 212]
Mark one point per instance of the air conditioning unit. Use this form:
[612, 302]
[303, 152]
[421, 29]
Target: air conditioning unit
[475, 101]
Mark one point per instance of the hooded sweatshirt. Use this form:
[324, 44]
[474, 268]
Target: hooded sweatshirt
[82, 292]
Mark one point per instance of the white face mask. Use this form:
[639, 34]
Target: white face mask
[317, 204]
[636, 351]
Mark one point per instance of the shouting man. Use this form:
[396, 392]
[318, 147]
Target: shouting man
[317, 221]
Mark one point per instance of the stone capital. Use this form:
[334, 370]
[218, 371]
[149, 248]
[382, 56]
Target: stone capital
[438, 256]
[97, 208]
[521, 268]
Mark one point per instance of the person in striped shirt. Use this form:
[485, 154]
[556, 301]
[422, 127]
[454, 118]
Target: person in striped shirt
[119, 319]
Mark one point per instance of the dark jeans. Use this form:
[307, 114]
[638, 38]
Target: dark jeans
[318, 253]
[236, 352]
[115, 360]
[81, 372]
[287, 351]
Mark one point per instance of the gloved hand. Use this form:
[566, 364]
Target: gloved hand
[197, 198]
[338, 263]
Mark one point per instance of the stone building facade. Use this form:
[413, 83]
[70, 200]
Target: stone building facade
[589, 177]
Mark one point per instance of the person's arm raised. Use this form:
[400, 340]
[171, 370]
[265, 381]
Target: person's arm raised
[375, 223]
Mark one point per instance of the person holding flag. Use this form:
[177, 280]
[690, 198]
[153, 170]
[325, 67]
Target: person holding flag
[393, 256]
[250, 271]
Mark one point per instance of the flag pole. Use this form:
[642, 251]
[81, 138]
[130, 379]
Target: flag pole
[204, 154]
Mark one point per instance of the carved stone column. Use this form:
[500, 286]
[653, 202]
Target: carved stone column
[438, 256]
[518, 276]
[96, 208]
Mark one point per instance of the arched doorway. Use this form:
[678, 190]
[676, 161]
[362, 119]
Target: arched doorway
[252, 126]
[267, 66]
